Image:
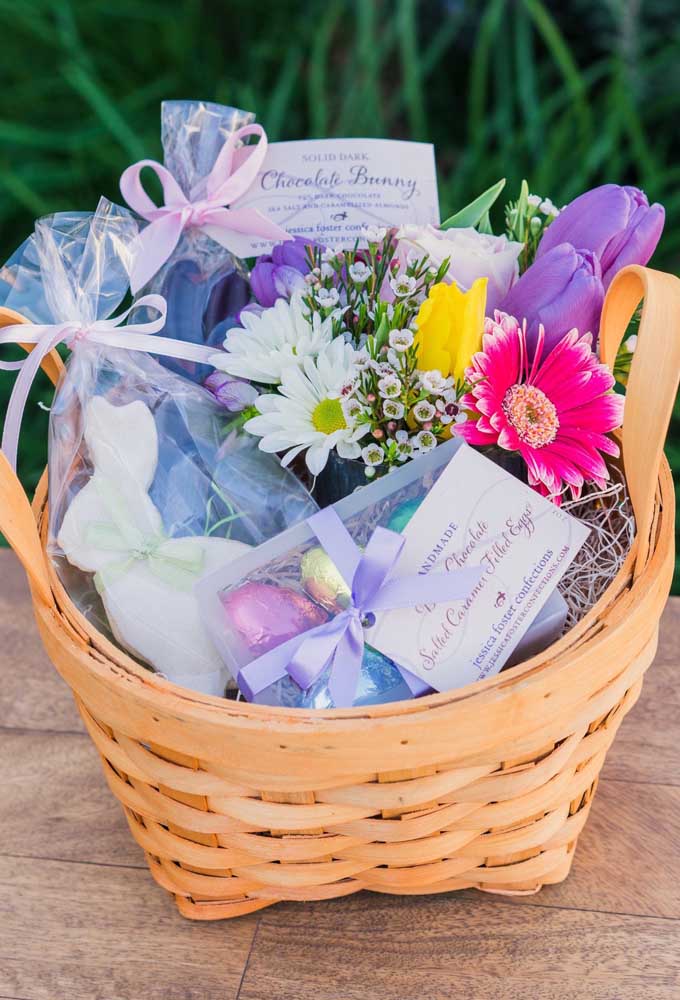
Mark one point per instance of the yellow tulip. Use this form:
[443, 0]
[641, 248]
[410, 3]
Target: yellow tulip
[450, 325]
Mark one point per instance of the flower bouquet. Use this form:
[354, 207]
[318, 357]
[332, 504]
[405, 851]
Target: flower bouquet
[367, 357]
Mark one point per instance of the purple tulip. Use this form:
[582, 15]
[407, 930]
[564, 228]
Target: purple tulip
[616, 223]
[278, 274]
[562, 290]
[232, 393]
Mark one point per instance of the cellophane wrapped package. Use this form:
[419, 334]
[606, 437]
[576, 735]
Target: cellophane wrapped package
[204, 284]
[149, 489]
[289, 585]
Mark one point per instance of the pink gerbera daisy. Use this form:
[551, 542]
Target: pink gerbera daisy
[555, 410]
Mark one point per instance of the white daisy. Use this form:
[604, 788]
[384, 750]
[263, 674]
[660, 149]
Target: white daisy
[307, 413]
[277, 339]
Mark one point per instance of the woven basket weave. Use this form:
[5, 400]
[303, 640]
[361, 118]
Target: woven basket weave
[237, 806]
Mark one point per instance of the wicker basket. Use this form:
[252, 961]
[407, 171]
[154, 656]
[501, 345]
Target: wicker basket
[237, 806]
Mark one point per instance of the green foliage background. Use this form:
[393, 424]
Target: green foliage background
[568, 94]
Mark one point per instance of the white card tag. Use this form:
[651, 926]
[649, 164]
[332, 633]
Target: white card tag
[326, 190]
[477, 515]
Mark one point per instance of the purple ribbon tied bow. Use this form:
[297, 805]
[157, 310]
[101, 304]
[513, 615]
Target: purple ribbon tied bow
[339, 643]
[233, 173]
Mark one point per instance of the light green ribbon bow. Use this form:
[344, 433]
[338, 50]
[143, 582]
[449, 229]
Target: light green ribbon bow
[175, 561]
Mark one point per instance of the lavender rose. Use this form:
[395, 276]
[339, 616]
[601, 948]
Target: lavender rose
[473, 255]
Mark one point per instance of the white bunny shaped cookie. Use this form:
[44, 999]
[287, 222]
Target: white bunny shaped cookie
[146, 580]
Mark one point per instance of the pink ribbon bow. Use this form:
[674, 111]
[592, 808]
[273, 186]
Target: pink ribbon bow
[227, 181]
[105, 332]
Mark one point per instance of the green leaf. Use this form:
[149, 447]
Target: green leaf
[475, 211]
[484, 225]
[522, 206]
[381, 333]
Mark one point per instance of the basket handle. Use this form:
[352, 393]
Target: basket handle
[17, 522]
[652, 384]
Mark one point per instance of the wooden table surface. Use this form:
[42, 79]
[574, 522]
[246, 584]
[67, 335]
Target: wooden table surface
[81, 919]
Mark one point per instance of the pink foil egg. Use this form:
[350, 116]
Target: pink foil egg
[264, 615]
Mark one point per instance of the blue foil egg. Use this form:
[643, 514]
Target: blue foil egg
[379, 681]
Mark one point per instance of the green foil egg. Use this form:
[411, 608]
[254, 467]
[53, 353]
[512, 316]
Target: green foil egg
[402, 514]
[323, 581]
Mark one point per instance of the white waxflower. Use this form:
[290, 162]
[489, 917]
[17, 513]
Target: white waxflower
[272, 341]
[389, 386]
[401, 437]
[360, 272]
[352, 409]
[404, 451]
[433, 381]
[425, 441]
[372, 455]
[393, 409]
[534, 200]
[548, 208]
[331, 254]
[326, 270]
[327, 297]
[403, 285]
[401, 340]
[381, 368]
[362, 359]
[307, 412]
[448, 409]
[423, 411]
[374, 234]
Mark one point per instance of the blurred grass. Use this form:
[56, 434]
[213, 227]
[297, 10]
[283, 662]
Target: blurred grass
[568, 95]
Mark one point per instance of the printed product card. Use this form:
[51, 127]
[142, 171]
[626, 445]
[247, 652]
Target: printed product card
[477, 515]
[327, 190]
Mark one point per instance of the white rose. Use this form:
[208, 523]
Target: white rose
[473, 255]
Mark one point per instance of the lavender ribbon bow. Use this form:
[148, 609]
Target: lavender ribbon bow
[340, 642]
[234, 172]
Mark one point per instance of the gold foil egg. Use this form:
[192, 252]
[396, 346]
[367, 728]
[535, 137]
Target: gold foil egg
[323, 581]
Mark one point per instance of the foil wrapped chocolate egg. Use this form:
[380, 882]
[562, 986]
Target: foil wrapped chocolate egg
[402, 514]
[264, 615]
[323, 581]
